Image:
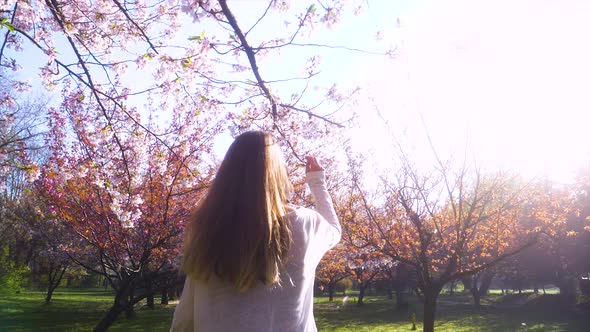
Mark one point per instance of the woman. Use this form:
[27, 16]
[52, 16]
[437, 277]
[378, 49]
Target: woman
[250, 256]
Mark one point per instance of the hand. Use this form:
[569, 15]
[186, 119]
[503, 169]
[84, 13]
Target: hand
[312, 165]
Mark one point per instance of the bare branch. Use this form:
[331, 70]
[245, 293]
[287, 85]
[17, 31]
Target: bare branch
[338, 47]
[311, 114]
[8, 30]
[250, 54]
[261, 17]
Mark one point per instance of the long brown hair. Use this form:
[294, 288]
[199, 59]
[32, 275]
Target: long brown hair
[237, 232]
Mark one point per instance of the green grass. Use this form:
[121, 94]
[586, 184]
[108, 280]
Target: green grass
[74, 310]
[80, 310]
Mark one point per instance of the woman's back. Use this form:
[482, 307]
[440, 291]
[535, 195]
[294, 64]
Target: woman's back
[218, 306]
[251, 257]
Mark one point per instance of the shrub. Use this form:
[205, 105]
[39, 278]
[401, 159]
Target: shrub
[343, 285]
[12, 276]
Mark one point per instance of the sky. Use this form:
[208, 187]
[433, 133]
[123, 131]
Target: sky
[501, 82]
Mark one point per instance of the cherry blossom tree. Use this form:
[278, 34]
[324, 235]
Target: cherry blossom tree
[145, 88]
[123, 192]
[119, 54]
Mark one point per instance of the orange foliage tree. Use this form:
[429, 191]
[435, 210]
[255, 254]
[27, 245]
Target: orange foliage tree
[365, 262]
[448, 225]
[560, 256]
[332, 269]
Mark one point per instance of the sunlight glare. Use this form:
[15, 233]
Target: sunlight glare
[507, 79]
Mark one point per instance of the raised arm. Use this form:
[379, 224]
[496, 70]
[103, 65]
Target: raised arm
[328, 227]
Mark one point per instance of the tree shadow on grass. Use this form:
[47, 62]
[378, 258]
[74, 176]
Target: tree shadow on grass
[32, 314]
[544, 313]
[374, 313]
[379, 314]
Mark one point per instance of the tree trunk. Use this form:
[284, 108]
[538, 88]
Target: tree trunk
[49, 295]
[164, 296]
[467, 283]
[568, 289]
[478, 291]
[476, 297]
[124, 302]
[54, 281]
[419, 294]
[129, 312]
[389, 294]
[362, 290]
[400, 299]
[108, 319]
[150, 300]
[430, 297]
[330, 292]
[486, 283]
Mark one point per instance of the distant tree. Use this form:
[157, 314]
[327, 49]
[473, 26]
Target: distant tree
[365, 262]
[555, 211]
[48, 260]
[580, 223]
[399, 278]
[21, 126]
[448, 225]
[332, 269]
[478, 284]
[21, 123]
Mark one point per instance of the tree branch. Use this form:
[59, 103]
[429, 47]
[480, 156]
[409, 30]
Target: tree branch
[8, 32]
[147, 39]
[250, 54]
[311, 114]
[261, 17]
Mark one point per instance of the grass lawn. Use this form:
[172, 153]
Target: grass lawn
[454, 313]
[80, 310]
[74, 310]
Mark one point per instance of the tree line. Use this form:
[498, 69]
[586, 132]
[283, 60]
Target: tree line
[114, 207]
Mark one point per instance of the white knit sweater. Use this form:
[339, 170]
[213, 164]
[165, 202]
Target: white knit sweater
[215, 306]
